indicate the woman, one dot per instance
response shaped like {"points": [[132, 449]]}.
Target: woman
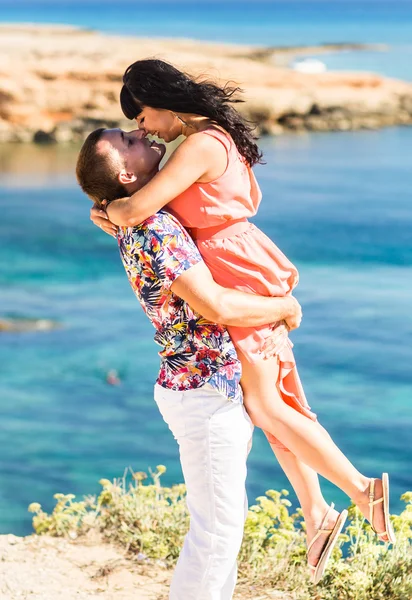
{"points": [[209, 185]]}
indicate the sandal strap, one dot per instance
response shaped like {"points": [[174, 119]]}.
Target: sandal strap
{"points": [[331, 507], [321, 529], [372, 503], [376, 501], [380, 533], [319, 532], [371, 500], [372, 489]]}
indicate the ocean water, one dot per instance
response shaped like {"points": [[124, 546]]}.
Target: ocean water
{"points": [[337, 204], [267, 23]]}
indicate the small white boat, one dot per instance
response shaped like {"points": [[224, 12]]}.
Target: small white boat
{"points": [[308, 65]]}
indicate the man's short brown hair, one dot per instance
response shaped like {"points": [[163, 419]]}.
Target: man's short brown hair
{"points": [[97, 172]]}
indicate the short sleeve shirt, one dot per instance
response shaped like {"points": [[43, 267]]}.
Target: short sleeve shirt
{"points": [[194, 351]]}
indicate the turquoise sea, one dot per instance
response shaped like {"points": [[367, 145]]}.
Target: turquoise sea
{"points": [[339, 206], [261, 22]]}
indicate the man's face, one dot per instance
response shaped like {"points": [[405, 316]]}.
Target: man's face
{"points": [[139, 156]]}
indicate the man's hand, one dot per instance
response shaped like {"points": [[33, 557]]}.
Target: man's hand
{"points": [[233, 307], [294, 319], [99, 217]]}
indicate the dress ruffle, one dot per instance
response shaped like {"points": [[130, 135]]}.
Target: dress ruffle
{"points": [[290, 389], [252, 263]]}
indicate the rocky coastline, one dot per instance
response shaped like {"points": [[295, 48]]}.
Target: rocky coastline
{"points": [[57, 83], [21, 325]]}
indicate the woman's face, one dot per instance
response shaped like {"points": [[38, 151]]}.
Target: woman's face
{"points": [[160, 122]]}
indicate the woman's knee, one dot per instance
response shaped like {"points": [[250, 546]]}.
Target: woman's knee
{"points": [[265, 413], [323, 430]]}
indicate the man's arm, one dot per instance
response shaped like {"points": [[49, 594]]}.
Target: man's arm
{"points": [[231, 307]]}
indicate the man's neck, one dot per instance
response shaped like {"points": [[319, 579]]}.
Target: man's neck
{"points": [[141, 181]]}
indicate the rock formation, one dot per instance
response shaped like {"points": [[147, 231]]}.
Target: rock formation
{"points": [[58, 83]]}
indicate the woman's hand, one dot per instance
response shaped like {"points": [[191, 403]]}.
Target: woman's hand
{"points": [[276, 342], [279, 339], [100, 219]]}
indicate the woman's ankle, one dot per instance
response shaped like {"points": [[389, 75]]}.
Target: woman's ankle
{"points": [[360, 494], [315, 513]]}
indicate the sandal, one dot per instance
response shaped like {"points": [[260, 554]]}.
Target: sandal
{"points": [[319, 569], [389, 532]]}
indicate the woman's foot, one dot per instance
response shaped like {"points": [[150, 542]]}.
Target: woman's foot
{"points": [[313, 524], [374, 493], [327, 534]]}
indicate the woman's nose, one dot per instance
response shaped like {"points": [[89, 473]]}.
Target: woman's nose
{"points": [[139, 133], [140, 125]]}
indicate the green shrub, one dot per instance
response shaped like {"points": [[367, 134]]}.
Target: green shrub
{"points": [[151, 520]]}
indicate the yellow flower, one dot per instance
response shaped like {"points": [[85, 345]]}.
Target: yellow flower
{"points": [[140, 476], [105, 482]]}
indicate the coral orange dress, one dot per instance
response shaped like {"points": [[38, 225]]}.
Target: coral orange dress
{"points": [[241, 256]]}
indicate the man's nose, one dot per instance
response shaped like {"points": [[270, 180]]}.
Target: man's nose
{"points": [[139, 133]]}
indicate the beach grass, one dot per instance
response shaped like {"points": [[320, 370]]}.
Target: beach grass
{"points": [[150, 521]]}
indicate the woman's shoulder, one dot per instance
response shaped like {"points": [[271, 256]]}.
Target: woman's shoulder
{"points": [[216, 131], [207, 140]]}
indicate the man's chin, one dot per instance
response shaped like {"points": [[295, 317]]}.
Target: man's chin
{"points": [[161, 149]]}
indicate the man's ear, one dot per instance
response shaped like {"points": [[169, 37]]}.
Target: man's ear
{"points": [[125, 177]]}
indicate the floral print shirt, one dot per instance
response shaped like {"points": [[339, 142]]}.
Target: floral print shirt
{"points": [[194, 351]]}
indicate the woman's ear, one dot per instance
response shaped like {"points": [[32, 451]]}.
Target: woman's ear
{"points": [[126, 177]]}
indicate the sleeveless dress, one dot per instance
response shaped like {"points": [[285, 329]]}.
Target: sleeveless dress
{"points": [[241, 256]]}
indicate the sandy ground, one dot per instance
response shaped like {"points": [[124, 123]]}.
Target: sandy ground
{"points": [[48, 568]]}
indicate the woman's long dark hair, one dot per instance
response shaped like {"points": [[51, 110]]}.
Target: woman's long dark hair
{"points": [[157, 84]]}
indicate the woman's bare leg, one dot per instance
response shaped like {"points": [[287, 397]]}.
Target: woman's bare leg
{"points": [[302, 436], [305, 482]]}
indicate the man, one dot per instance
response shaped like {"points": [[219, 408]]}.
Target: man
{"points": [[197, 390]]}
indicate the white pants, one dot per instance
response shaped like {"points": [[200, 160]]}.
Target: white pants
{"points": [[214, 437]]}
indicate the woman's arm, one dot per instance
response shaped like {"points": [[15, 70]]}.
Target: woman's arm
{"points": [[200, 156]]}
